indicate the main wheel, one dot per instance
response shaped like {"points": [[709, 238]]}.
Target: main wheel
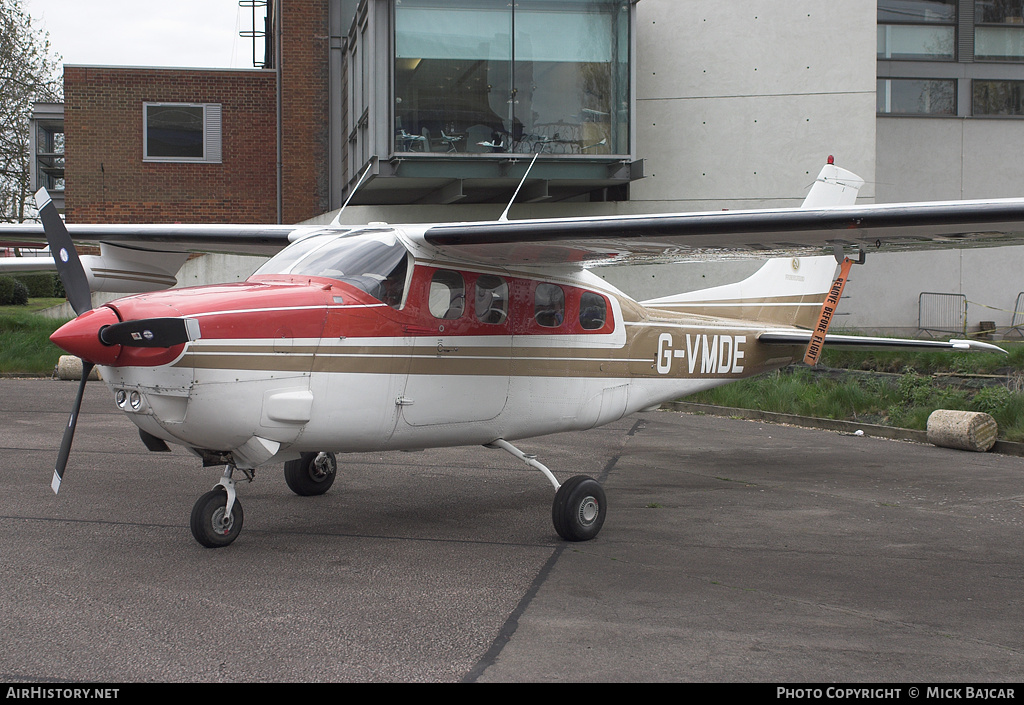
{"points": [[579, 508], [307, 476], [208, 525]]}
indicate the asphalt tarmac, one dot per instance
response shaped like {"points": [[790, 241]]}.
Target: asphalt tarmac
{"points": [[734, 551]]}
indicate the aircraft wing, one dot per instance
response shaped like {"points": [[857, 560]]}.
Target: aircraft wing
{"points": [[626, 239], [233, 239], [631, 239], [137, 258]]}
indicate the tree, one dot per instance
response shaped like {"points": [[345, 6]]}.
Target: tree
{"points": [[28, 74]]}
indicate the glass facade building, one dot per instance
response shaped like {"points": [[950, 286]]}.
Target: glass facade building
{"points": [[951, 58], [442, 97], [494, 77]]}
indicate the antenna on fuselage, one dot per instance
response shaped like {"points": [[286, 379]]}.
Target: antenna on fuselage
{"points": [[337, 218], [504, 216]]}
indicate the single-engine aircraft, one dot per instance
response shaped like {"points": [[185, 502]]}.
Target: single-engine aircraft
{"points": [[400, 337]]}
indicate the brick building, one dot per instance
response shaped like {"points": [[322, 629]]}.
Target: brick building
{"points": [[195, 145], [111, 176]]}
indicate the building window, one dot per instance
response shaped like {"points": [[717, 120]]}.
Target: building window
{"points": [[491, 76], [916, 96], [182, 132], [999, 30], [998, 98], [917, 29]]}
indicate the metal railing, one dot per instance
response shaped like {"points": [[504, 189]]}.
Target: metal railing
{"points": [[1017, 323], [942, 313]]}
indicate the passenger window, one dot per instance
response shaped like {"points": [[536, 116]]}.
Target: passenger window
{"points": [[491, 301], [593, 311], [549, 305], [447, 295]]}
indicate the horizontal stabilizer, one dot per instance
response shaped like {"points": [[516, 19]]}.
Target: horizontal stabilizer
{"points": [[801, 337]]}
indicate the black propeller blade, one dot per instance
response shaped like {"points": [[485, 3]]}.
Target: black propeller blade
{"points": [[76, 286], [69, 431], [69, 266], [150, 332]]}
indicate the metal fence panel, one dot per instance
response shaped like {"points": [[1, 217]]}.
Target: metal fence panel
{"points": [[1017, 324], [942, 313]]}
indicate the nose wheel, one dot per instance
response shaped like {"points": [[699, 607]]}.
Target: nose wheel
{"points": [[217, 515], [211, 524]]}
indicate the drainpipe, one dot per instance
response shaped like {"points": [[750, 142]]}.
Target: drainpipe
{"points": [[280, 131]]}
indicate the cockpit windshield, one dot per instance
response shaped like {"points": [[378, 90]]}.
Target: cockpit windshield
{"points": [[376, 263]]}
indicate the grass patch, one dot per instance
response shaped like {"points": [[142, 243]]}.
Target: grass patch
{"points": [[25, 346], [904, 399], [33, 306]]}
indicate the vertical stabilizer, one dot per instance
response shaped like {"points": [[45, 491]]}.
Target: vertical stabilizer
{"points": [[834, 186], [784, 291]]}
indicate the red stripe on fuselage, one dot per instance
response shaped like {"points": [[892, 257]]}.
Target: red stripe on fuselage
{"points": [[290, 307]]}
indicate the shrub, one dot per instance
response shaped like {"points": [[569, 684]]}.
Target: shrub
{"points": [[6, 291], [12, 292], [20, 295], [40, 286]]}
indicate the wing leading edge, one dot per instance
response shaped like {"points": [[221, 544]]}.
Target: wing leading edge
{"points": [[234, 239]]}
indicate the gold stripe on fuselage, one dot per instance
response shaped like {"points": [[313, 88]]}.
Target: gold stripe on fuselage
{"points": [[638, 357]]}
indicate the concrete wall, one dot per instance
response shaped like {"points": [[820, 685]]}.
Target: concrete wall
{"points": [[935, 159], [882, 296], [739, 103]]}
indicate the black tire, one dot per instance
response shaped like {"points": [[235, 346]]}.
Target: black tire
{"points": [[305, 479], [207, 520], [579, 509]]}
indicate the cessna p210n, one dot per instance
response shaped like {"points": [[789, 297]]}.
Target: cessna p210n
{"points": [[407, 337]]}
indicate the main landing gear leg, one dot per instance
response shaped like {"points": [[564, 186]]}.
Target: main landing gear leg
{"points": [[217, 516], [580, 505]]}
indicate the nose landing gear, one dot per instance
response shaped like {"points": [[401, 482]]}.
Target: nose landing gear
{"points": [[217, 516]]}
